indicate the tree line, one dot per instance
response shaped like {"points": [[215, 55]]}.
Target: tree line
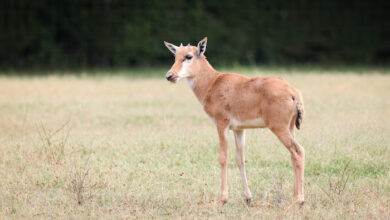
{"points": [[124, 33]]}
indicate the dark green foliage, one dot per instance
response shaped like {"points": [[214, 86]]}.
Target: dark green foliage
{"points": [[121, 33]]}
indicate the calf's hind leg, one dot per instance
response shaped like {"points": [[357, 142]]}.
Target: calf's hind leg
{"points": [[298, 161]]}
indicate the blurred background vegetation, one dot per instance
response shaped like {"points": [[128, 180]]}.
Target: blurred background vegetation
{"points": [[48, 34]]}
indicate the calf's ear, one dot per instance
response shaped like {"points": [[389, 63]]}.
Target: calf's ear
{"points": [[201, 47], [171, 47]]}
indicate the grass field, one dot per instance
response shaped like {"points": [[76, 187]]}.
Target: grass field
{"points": [[119, 147]]}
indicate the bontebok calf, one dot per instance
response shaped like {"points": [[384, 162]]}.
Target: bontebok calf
{"points": [[237, 103]]}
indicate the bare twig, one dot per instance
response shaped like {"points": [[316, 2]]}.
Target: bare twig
{"points": [[52, 147], [337, 187], [80, 185]]}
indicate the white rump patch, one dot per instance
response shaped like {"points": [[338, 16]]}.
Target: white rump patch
{"points": [[252, 123]]}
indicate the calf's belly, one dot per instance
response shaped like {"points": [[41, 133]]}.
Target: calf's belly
{"points": [[244, 124]]}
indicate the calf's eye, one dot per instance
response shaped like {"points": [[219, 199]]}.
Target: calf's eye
{"points": [[188, 57]]}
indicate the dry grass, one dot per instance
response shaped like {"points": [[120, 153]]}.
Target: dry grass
{"points": [[119, 147]]}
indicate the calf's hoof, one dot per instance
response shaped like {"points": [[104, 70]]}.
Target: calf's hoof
{"points": [[299, 202], [224, 198], [248, 201], [222, 202]]}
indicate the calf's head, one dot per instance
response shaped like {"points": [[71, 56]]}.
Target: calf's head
{"points": [[187, 60]]}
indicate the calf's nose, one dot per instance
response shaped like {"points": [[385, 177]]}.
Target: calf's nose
{"points": [[168, 76]]}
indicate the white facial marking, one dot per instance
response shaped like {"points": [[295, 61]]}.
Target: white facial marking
{"points": [[252, 123], [184, 69]]}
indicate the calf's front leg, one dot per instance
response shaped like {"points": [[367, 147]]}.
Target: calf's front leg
{"points": [[240, 159], [223, 154]]}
